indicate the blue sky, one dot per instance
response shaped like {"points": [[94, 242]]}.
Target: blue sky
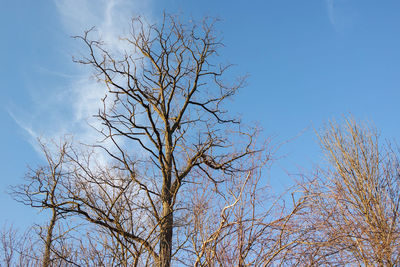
{"points": [[307, 61]]}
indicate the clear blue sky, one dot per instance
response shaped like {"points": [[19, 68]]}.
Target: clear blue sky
{"points": [[308, 61]]}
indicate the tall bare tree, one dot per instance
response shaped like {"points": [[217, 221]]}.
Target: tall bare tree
{"points": [[164, 114], [182, 182]]}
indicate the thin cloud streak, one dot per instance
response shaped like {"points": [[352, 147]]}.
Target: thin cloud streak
{"points": [[330, 9], [78, 98], [342, 15]]}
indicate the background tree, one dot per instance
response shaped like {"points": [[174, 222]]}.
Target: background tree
{"points": [[250, 227], [354, 201], [17, 249]]}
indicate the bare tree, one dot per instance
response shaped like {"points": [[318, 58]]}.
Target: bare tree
{"points": [[354, 200], [164, 114], [182, 183], [60, 242], [41, 191], [243, 224], [8, 245], [19, 249]]}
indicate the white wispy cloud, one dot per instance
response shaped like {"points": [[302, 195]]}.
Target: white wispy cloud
{"points": [[69, 107], [342, 14], [330, 9]]}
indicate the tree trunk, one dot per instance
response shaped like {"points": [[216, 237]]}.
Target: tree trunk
{"points": [[166, 236], [167, 211], [49, 239]]}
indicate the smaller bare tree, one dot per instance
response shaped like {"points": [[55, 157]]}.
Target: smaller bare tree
{"points": [[19, 249], [41, 190], [354, 200], [241, 223]]}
